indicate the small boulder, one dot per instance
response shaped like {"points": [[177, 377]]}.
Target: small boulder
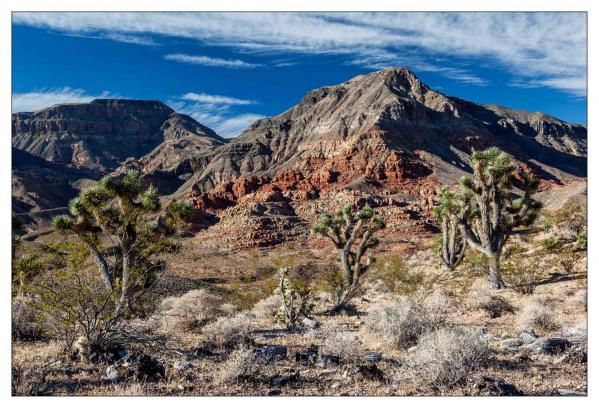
{"points": [[310, 323], [270, 353], [554, 345], [528, 336], [489, 386], [308, 357], [372, 357], [564, 392]]}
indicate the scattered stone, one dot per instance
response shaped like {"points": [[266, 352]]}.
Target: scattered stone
{"points": [[112, 374], [310, 323], [308, 357], [283, 380], [143, 367], [270, 353], [182, 365], [564, 392], [512, 343], [372, 357], [553, 345], [328, 360], [335, 385], [489, 386], [528, 336]]}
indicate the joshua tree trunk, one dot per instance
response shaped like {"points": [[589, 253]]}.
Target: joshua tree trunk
{"points": [[102, 267], [494, 271]]}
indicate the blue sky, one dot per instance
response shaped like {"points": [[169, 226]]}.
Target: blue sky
{"points": [[229, 69]]}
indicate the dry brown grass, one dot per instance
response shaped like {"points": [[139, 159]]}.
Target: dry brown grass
{"points": [[228, 332], [537, 314]]}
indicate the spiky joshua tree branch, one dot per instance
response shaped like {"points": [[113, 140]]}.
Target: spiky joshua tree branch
{"points": [[453, 244]]}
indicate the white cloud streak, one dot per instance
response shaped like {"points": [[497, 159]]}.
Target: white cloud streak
{"points": [[210, 61], [32, 101], [549, 48], [216, 99]]}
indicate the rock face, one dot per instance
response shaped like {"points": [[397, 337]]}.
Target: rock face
{"points": [[101, 134], [60, 145], [389, 127]]}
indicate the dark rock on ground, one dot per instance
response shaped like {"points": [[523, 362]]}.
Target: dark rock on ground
{"points": [[489, 386], [309, 356], [554, 345], [372, 357], [270, 353]]}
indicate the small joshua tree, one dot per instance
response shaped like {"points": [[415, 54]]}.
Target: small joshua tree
{"points": [[296, 300], [353, 234], [453, 245], [491, 209]]}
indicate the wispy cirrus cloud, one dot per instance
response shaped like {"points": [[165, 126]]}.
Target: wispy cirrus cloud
{"points": [[217, 112], [43, 98], [210, 61], [548, 48]]}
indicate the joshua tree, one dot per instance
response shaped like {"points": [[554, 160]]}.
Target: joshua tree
{"points": [[353, 234], [492, 209], [453, 245], [116, 211]]}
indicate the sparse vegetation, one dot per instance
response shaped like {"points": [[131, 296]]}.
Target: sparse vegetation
{"points": [[296, 297], [444, 357], [241, 364], [536, 315], [229, 332]]}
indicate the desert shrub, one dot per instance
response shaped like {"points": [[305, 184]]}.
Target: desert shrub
{"points": [[267, 308], [241, 364], [496, 306], [522, 273], [444, 357], [25, 319], [567, 260], [578, 300], [228, 332], [396, 275], [475, 263], [25, 269], [536, 315], [581, 241], [550, 244], [571, 220], [343, 344], [27, 380], [403, 320], [191, 310]]}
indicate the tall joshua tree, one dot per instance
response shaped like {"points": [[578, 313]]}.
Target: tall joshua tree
{"points": [[492, 208], [353, 234], [453, 244], [117, 211]]}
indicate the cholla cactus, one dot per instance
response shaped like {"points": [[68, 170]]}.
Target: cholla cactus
{"points": [[491, 209], [453, 245], [296, 301], [353, 234]]}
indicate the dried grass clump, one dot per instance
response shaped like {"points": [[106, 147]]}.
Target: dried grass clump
{"points": [[444, 357], [403, 320], [342, 344], [481, 297], [241, 364], [128, 390], [578, 300], [189, 311], [228, 332], [536, 314], [24, 318], [267, 308]]}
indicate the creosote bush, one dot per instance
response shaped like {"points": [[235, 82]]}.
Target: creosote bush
{"points": [[402, 320], [537, 315], [228, 332], [241, 364], [522, 273], [189, 311], [444, 357], [340, 343], [397, 276]]}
